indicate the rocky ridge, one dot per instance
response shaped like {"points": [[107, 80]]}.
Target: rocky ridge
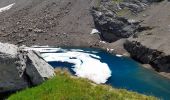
{"points": [[110, 18], [152, 47]]}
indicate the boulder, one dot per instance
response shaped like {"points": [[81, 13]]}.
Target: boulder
{"points": [[8, 49], [10, 80], [37, 68], [20, 69]]}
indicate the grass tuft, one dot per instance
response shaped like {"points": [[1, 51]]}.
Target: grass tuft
{"points": [[66, 87]]}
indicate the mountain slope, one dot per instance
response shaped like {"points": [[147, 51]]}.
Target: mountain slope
{"points": [[63, 22]]}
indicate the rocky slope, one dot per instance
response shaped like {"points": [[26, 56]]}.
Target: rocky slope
{"points": [[144, 23], [152, 46], [47, 22]]}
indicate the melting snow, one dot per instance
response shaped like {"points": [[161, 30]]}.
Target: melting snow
{"points": [[87, 65], [6, 8]]}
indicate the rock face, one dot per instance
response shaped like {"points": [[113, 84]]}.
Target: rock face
{"points": [[159, 60], [110, 18], [153, 46], [111, 26], [20, 69], [111, 23]]}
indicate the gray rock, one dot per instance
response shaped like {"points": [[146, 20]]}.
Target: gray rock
{"points": [[37, 69], [8, 49], [20, 69], [39, 30], [133, 7], [157, 59], [10, 79], [111, 26]]}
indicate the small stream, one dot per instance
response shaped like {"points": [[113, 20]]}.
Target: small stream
{"points": [[125, 72]]}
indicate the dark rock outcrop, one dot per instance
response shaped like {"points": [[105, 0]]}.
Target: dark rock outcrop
{"points": [[20, 69], [159, 60], [10, 79], [111, 26], [110, 20]]}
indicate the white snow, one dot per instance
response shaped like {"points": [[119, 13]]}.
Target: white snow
{"points": [[6, 8], [94, 31], [131, 21], [87, 65], [118, 55], [43, 49], [102, 42]]}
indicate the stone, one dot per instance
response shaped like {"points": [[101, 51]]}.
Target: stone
{"points": [[10, 79], [20, 69], [113, 27], [8, 49], [38, 30], [37, 68]]}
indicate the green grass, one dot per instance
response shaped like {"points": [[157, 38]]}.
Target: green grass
{"points": [[66, 87]]}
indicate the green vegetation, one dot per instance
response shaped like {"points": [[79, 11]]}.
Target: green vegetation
{"points": [[66, 87], [117, 1], [123, 12]]}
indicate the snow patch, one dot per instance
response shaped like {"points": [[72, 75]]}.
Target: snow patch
{"points": [[6, 8], [94, 31], [86, 64], [102, 42], [132, 21], [118, 55]]}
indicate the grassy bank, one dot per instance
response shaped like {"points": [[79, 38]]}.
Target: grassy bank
{"points": [[66, 87]]}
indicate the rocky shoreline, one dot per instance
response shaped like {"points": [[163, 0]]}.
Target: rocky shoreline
{"points": [[158, 60], [115, 25]]}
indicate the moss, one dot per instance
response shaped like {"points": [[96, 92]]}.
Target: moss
{"points": [[123, 12]]}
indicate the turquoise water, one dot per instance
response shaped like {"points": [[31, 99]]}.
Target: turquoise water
{"points": [[130, 75]]}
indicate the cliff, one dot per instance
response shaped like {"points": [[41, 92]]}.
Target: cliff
{"points": [[159, 60]]}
